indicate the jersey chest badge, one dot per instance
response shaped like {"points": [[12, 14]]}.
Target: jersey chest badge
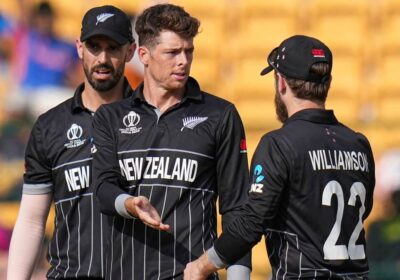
{"points": [[192, 122], [131, 121], [74, 135]]}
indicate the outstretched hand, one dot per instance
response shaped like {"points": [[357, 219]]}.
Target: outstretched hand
{"points": [[140, 207]]}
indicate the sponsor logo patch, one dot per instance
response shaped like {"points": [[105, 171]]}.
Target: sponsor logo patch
{"points": [[256, 186]]}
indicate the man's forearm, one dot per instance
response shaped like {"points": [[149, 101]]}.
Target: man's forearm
{"points": [[27, 237], [107, 193]]}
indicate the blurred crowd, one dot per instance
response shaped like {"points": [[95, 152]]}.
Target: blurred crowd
{"points": [[38, 70]]}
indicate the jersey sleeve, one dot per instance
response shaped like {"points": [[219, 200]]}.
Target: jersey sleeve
{"points": [[105, 168], [232, 169], [269, 175], [38, 170], [372, 179]]}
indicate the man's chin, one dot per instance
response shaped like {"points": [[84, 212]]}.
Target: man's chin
{"points": [[103, 86], [176, 85]]}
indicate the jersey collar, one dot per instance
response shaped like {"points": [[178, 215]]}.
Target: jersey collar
{"points": [[77, 103], [314, 115], [192, 91]]}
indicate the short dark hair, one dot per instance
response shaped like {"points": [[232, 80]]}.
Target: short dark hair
{"points": [[165, 17], [316, 92]]}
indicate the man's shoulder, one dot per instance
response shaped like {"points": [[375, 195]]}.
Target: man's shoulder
{"points": [[118, 105], [115, 108], [214, 99], [58, 111], [207, 98], [218, 105]]}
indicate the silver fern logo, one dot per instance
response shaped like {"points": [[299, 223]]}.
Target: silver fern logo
{"points": [[192, 122], [103, 17]]}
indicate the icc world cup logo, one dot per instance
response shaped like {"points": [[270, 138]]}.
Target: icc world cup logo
{"points": [[75, 132], [131, 120]]}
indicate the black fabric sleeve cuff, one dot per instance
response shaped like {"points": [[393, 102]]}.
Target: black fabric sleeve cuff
{"points": [[231, 248], [107, 194]]}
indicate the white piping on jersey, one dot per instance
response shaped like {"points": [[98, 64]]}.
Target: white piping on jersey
{"points": [[284, 232], [286, 256], [169, 186], [162, 213], [164, 149], [202, 224], [72, 198], [190, 226], [287, 249], [79, 241], [159, 235], [357, 274], [213, 237], [133, 250], [92, 239], [280, 260], [58, 250], [72, 162], [122, 248], [101, 244], [51, 255], [301, 256], [112, 247], [303, 268], [145, 241], [68, 241], [174, 270]]}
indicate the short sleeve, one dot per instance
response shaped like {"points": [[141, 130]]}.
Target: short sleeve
{"points": [[38, 175]]}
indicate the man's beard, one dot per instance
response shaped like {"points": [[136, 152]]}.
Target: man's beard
{"points": [[104, 85], [280, 107]]}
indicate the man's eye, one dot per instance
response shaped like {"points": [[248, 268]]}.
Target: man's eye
{"points": [[92, 47], [115, 48]]}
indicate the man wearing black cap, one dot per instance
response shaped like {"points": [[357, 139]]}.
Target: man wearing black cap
{"points": [[59, 157], [312, 180]]}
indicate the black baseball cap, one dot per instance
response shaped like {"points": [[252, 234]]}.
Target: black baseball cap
{"points": [[108, 21], [295, 56]]}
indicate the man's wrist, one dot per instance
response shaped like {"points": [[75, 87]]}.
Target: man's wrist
{"points": [[206, 266], [214, 259], [121, 203]]}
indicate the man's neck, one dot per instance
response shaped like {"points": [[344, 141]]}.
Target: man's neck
{"points": [[93, 99], [302, 104], [161, 98]]}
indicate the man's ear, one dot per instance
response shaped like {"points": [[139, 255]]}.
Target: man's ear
{"points": [[79, 48], [144, 55], [131, 52], [282, 85]]}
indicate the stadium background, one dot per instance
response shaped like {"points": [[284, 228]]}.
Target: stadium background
{"points": [[235, 38]]}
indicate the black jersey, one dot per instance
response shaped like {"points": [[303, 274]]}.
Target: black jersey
{"points": [[181, 160], [312, 187], [58, 160]]}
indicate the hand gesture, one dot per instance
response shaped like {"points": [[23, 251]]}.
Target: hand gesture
{"points": [[140, 207]]}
